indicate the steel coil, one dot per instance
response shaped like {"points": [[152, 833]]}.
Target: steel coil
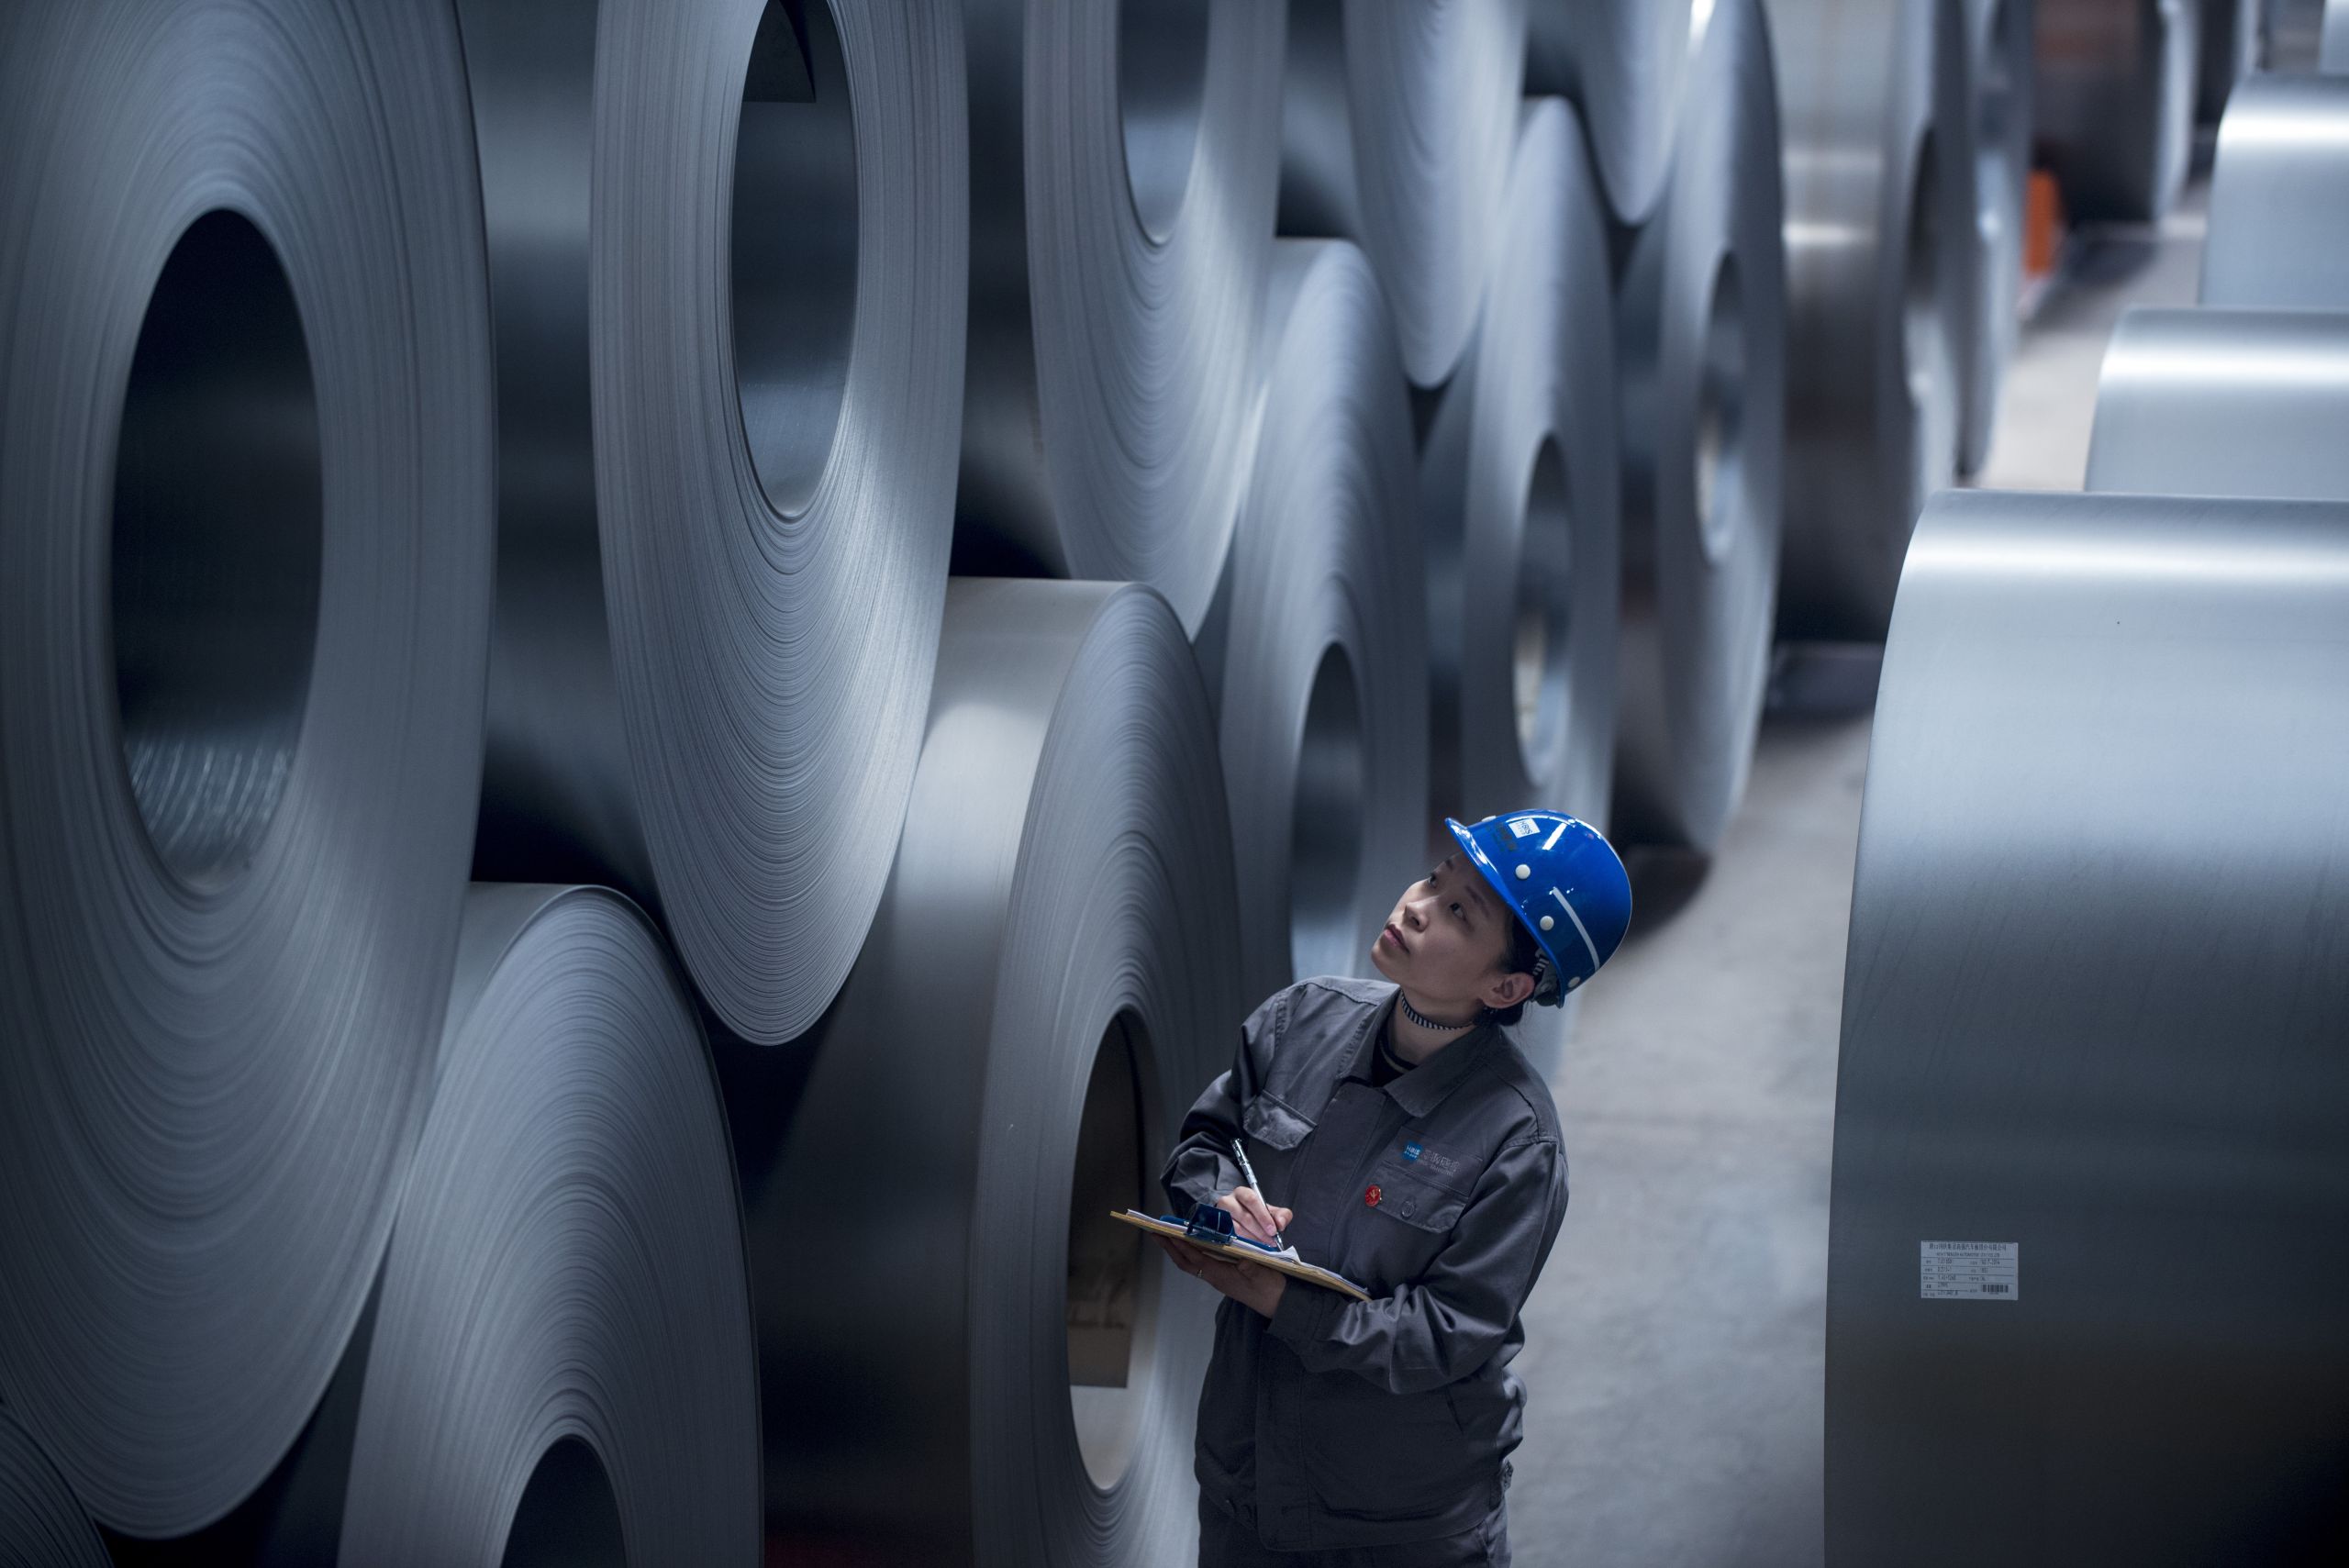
{"points": [[1396, 128], [1520, 488], [1051, 977], [2113, 102], [563, 1352], [2226, 403], [1982, 80], [41, 1522], [1872, 230], [245, 552], [1624, 63], [1316, 650], [726, 490], [2097, 993], [1701, 315], [1125, 162], [2279, 197]]}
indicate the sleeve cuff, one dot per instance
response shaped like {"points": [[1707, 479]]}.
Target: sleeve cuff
{"points": [[1306, 1316], [1193, 1188]]}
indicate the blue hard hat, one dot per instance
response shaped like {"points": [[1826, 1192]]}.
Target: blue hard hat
{"points": [[1564, 879]]}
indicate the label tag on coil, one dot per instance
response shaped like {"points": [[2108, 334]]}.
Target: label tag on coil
{"points": [[1969, 1271]]}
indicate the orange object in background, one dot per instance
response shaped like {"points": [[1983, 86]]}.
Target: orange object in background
{"points": [[2043, 225]]}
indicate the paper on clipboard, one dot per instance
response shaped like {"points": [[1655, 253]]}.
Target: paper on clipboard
{"points": [[1242, 1250]]}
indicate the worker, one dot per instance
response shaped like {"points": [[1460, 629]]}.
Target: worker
{"points": [[1415, 1153]]}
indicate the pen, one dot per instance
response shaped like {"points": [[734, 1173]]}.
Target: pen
{"points": [[1250, 1172]]}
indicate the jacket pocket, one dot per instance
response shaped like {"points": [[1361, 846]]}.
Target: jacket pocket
{"points": [[1273, 1124], [1416, 1202], [1490, 1408], [1375, 1457], [1400, 1234]]}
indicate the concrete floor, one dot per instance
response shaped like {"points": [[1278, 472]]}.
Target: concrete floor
{"points": [[1676, 1342]]}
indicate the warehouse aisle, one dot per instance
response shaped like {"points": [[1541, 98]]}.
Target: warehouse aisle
{"points": [[1676, 1345], [2048, 406]]}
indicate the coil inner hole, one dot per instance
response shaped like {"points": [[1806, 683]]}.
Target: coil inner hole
{"points": [[217, 534], [1162, 82], [1720, 414], [568, 1516], [794, 249], [1546, 559], [1325, 824], [1112, 1298]]}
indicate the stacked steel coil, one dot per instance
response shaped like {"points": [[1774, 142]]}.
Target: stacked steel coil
{"points": [[1873, 227], [963, 1358], [528, 442], [2090, 1202], [1982, 88], [1625, 64], [1316, 652], [1520, 494], [2116, 88], [729, 332], [245, 516], [1124, 163], [1417, 178], [1702, 344], [563, 1340]]}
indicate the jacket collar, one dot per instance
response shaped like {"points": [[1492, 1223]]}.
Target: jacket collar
{"points": [[1429, 1084]]}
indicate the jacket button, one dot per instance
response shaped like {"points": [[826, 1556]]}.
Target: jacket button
{"points": [[1410, 1206], [1372, 1197]]}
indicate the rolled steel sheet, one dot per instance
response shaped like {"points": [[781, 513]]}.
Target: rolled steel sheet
{"points": [[1520, 501], [1982, 78], [995, 1372], [2279, 197], [2095, 1009], [2332, 50], [1125, 162], [2113, 102], [728, 247], [1316, 652], [562, 1354], [2253, 403], [245, 550], [41, 1522], [1873, 235], [1396, 123], [1624, 63], [1701, 315]]}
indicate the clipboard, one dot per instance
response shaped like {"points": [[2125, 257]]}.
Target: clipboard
{"points": [[1239, 1249]]}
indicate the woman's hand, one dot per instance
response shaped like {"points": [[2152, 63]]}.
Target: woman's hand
{"points": [[1252, 1217], [1256, 1288]]}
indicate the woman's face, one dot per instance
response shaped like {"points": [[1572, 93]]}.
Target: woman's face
{"points": [[1447, 941]]}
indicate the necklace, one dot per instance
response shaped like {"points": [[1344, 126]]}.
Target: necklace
{"points": [[1425, 1022]]}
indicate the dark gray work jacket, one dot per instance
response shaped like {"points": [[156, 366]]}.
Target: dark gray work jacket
{"points": [[1341, 1423]]}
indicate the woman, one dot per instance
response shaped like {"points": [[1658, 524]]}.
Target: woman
{"points": [[1418, 1155]]}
